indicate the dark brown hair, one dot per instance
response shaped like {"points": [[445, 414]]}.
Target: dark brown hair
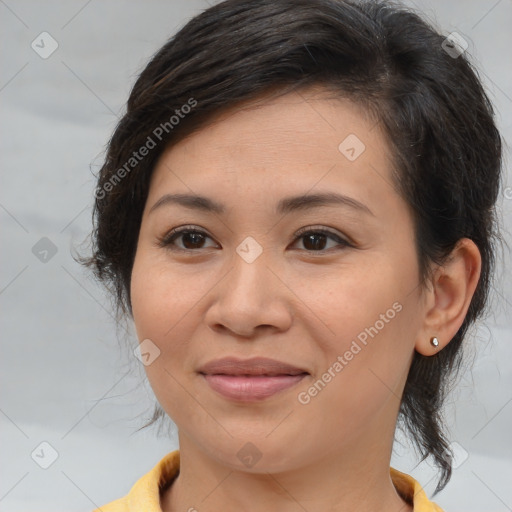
{"points": [[426, 95]]}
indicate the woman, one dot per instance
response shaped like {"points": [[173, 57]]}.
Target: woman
{"points": [[297, 211]]}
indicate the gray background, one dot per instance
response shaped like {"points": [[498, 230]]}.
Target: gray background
{"points": [[65, 379]]}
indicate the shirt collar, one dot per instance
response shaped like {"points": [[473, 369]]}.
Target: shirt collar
{"points": [[145, 494]]}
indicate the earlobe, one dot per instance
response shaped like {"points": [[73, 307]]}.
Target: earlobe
{"points": [[453, 285]]}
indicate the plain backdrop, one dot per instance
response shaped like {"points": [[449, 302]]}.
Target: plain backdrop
{"points": [[66, 381]]}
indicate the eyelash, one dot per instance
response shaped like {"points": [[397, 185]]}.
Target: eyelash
{"points": [[167, 241]]}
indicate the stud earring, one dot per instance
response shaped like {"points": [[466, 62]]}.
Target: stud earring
{"points": [[434, 342]]}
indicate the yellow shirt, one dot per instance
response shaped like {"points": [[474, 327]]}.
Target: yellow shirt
{"points": [[145, 494]]}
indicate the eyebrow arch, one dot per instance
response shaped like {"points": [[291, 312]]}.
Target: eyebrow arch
{"points": [[285, 205]]}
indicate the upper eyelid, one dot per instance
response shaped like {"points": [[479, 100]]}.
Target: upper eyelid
{"points": [[177, 232], [180, 230]]}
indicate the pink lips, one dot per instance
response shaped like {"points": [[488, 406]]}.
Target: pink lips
{"points": [[250, 380]]}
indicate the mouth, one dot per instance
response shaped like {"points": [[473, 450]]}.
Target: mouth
{"points": [[250, 380]]}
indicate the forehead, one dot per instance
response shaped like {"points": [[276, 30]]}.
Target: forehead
{"points": [[289, 143]]}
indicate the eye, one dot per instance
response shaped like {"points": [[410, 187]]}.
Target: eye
{"points": [[192, 239], [316, 239]]}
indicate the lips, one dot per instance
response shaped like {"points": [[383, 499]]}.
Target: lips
{"points": [[250, 380], [255, 366]]}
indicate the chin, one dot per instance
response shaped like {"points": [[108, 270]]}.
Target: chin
{"points": [[257, 453]]}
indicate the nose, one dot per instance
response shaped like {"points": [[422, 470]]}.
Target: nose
{"points": [[250, 299]]}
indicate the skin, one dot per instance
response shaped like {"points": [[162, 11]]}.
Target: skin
{"points": [[292, 303]]}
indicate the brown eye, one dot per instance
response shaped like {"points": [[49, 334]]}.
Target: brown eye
{"points": [[317, 239], [191, 239]]}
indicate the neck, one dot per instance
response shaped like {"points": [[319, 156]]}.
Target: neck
{"points": [[330, 482]]}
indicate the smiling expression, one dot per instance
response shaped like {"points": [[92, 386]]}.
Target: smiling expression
{"points": [[263, 236]]}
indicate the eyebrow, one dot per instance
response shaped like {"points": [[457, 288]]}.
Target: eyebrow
{"points": [[285, 205]]}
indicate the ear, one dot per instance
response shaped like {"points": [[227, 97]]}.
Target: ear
{"points": [[448, 299]]}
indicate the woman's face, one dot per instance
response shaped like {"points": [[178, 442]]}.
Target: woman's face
{"points": [[327, 285]]}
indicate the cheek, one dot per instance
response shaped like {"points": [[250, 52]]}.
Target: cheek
{"points": [[145, 296], [364, 371], [351, 301], [168, 309], [160, 296], [160, 306], [373, 318]]}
